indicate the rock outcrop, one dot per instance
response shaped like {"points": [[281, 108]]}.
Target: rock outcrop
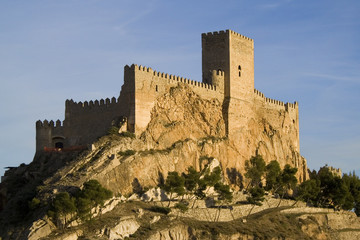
{"points": [[184, 131]]}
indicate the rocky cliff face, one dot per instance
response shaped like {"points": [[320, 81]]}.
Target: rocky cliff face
{"points": [[185, 130], [181, 114]]}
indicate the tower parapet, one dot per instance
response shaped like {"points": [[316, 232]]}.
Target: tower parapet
{"points": [[49, 134], [217, 79], [233, 54]]}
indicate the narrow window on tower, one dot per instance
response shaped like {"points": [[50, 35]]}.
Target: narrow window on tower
{"points": [[156, 88], [239, 70]]}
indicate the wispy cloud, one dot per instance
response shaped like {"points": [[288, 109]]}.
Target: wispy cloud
{"points": [[121, 28], [334, 77], [270, 5], [273, 5]]}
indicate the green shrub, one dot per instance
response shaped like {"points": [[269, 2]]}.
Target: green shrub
{"points": [[164, 210], [128, 152], [61, 206], [174, 183], [40, 188], [92, 195], [127, 134], [35, 203], [113, 130], [182, 206], [84, 206], [95, 192]]}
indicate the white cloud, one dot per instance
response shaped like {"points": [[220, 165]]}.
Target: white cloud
{"points": [[270, 5], [334, 77]]}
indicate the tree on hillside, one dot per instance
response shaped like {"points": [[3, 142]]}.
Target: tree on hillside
{"points": [[84, 206], [325, 189], [353, 184], [191, 180], [287, 181], [308, 191], [62, 206], [193, 184], [256, 197], [288, 177], [208, 180], [174, 183], [224, 195], [95, 192], [333, 189], [212, 178], [255, 168], [272, 174], [199, 191], [92, 195]]}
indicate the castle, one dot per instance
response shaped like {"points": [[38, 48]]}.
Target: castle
{"points": [[228, 76]]}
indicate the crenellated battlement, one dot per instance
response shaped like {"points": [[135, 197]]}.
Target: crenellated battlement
{"points": [[218, 79], [292, 105], [275, 102], [239, 35], [218, 73], [210, 34], [96, 104], [216, 33], [49, 124], [141, 68], [170, 77]]}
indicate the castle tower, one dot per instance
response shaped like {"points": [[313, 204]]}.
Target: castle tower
{"points": [[233, 54]]}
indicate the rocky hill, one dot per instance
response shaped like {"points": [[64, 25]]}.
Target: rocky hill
{"points": [[185, 130]]}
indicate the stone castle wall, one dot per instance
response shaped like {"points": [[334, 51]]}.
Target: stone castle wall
{"points": [[48, 134], [150, 84], [86, 121], [278, 114], [228, 76]]}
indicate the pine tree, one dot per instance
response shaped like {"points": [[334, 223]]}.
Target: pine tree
{"points": [[255, 169], [174, 183]]}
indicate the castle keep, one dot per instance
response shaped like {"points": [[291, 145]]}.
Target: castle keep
{"points": [[228, 76]]}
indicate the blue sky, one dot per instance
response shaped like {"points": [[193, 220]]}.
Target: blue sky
{"points": [[306, 51]]}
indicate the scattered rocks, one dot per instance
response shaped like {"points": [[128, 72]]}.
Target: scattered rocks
{"points": [[155, 219], [125, 227], [41, 228]]}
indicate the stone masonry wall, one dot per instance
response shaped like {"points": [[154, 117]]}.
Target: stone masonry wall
{"points": [[275, 112], [85, 122], [48, 133], [150, 84]]}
